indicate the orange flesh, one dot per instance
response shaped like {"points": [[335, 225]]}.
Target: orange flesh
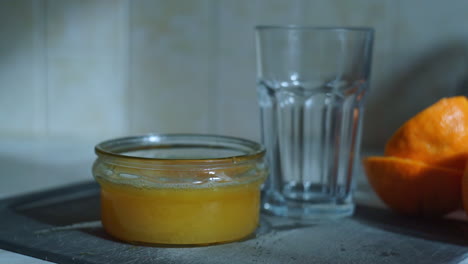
{"points": [[180, 215]]}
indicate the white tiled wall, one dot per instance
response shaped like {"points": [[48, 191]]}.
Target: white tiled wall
{"points": [[172, 70], [429, 59], [22, 94], [86, 67], [99, 69]]}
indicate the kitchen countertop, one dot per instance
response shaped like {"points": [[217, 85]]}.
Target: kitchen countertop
{"points": [[8, 257]]}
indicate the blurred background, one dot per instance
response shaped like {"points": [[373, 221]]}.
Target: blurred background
{"points": [[73, 73]]}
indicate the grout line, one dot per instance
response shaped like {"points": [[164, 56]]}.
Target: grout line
{"points": [[127, 67], [46, 68], [39, 67], [299, 12], [217, 94], [125, 54]]}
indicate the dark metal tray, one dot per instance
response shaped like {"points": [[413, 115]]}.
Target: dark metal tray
{"points": [[62, 226]]}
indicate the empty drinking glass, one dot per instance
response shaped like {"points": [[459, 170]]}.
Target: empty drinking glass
{"points": [[312, 82]]}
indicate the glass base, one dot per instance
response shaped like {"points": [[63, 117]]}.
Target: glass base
{"points": [[314, 210]]}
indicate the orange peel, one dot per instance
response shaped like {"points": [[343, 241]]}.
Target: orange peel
{"points": [[415, 188]]}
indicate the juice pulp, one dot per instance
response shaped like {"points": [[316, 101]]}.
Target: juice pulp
{"points": [[189, 216]]}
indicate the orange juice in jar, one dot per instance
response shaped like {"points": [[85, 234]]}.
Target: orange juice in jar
{"points": [[180, 189]]}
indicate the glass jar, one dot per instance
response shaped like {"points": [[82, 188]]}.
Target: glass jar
{"points": [[183, 189]]}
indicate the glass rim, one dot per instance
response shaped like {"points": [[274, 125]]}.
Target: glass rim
{"points": [[154, 141], [363, 29]]}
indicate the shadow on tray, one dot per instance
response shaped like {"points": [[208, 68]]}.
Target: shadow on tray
{"points": [[448, 230], [76, 207]]}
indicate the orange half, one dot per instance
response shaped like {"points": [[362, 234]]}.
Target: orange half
{"points": [[413, 187], [438, 135]]}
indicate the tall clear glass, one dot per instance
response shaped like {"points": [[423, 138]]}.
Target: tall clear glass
{"points": [[312, 82]]}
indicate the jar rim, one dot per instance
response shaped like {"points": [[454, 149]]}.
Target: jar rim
{"points": [[119, 147]]}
